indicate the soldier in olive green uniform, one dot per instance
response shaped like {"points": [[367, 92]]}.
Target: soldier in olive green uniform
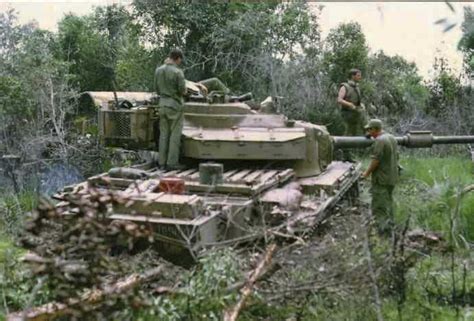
{"points": [[215, 84], [384, 171], [349, 98], [170, 85], [352, 111]]}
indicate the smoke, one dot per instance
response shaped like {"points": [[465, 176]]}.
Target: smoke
{"points": [[56, 176]]}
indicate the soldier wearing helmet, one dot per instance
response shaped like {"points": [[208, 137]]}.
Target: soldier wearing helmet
{"points": [[383, 169]]}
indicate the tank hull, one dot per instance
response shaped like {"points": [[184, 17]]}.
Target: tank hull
{"points": [[248, 204]]}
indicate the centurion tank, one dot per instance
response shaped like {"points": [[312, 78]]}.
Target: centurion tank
{"points": [[248, 173]]}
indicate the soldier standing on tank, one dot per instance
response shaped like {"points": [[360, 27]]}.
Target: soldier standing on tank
{"points": [[384, 171], [170, 85], [352, 110]]}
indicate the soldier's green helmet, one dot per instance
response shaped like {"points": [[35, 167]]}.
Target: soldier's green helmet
{"points": [[374, 124]]}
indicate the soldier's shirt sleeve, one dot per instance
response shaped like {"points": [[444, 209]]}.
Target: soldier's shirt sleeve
{"points": [[377, 151], [181, 83]]}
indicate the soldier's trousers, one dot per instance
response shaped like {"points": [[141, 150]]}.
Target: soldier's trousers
{"points": [[354, 122], [383, 208], [171, 127]]}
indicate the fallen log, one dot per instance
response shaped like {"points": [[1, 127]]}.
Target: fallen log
{"points": [[53, 310], [231, 314], [266, 274]]}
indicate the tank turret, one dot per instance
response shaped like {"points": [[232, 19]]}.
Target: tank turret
{"points": [[223, 131]]}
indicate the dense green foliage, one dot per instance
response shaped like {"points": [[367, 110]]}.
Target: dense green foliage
{"points": [[396, 88], [104, 48], [345, 47], [467, 41]]}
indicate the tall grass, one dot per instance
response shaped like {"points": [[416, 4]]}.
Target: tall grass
{"points": [[434, 171], [15, 280], [428, 191]]}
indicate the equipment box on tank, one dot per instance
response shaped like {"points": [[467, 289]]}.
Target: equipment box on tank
{"points": [[131, 128]]}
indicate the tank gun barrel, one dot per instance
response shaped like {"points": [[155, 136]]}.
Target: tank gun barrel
{"points": [[453, 140], [414, 139]]}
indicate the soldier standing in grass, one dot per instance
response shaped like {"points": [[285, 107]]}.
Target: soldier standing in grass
{"points": [[170, 85], [352, 110], [384, 170]]}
